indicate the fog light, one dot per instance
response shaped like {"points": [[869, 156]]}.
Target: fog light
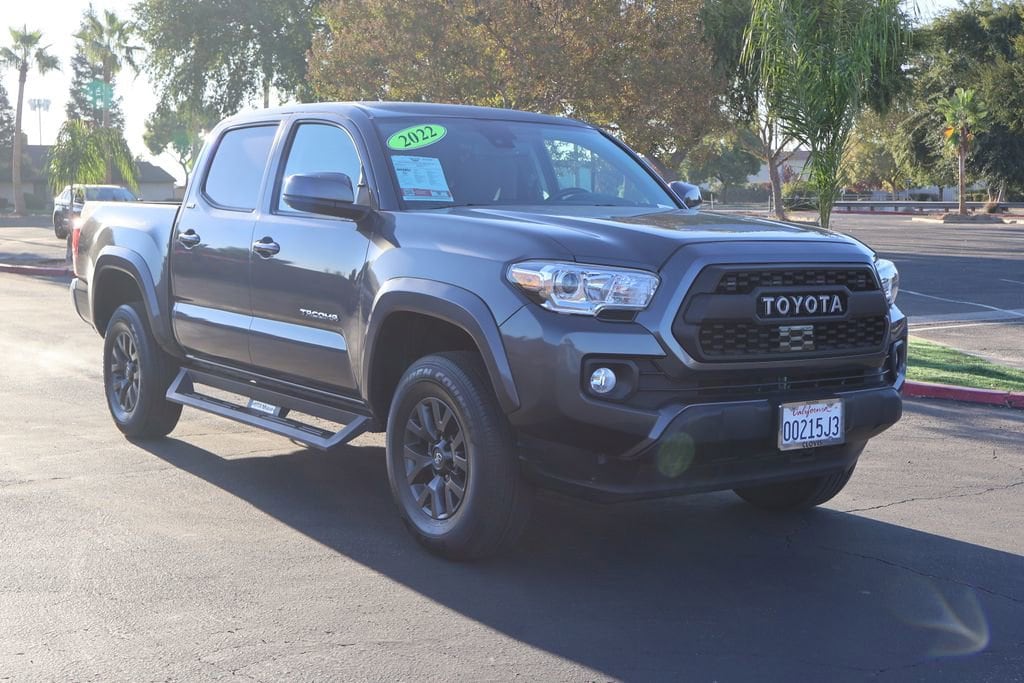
{"points": [[602, 381]]}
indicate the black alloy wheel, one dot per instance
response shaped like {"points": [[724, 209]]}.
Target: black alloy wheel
{"points": [[136, 374], [452, 462], [125, 375], [436, 466]]}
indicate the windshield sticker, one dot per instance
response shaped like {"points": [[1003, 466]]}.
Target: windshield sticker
{"points": [[415, 137], [421, 179]]}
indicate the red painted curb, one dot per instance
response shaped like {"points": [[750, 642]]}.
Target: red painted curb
{"points": [[35, 270], [948, 392]]}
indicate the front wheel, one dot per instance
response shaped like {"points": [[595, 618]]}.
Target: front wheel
{"points": [[800, 494], [451, 460], [136, 374]]}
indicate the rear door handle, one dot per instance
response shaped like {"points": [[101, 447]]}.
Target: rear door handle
{"points": [[189, 238], [266, 247]]}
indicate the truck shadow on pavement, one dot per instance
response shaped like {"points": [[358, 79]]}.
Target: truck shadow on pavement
{"points": [[699, 588]]}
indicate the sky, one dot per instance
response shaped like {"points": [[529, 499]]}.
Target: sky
{"points": [[60, 19]]}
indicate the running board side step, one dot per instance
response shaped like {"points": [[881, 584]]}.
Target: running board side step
{"points": [[183, 390]]}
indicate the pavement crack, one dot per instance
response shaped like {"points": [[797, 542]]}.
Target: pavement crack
{"points": [[949, 496], [919, 572]]}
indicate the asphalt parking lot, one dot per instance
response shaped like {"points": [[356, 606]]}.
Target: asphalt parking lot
{"points": [[228, 553], [961, 284]]}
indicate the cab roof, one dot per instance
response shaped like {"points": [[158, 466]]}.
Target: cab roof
{"points": [[385, 110]]}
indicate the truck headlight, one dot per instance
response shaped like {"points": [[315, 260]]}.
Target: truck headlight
{"points": [[890, 278], [582, 289]]}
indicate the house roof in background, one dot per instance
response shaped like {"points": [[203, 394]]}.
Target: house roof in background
{"points": [[38, 156]]}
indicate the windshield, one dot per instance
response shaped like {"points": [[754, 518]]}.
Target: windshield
{"points": [[106, 194], [444, 162]]}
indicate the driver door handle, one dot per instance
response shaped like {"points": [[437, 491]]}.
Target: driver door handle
{"points": [[266, 247], [189, 238]]}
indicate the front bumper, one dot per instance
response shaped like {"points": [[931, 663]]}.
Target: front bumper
{"points": [[710, 447], [684, 439]]}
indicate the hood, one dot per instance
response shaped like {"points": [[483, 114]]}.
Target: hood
{"points": [[642, 238]]}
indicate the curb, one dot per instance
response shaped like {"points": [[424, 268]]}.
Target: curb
{"points": [[44, 271], [948, 392]]}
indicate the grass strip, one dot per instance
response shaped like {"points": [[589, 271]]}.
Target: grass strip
{"points": [[931, 362]]}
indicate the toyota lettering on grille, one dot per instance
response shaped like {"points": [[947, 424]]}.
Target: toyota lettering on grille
{"points": [[800, 305]]}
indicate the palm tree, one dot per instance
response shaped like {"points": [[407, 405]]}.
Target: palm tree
{"points": [[22, 54], [81, 155], [964, 118], [106, 42], [817, 64]]}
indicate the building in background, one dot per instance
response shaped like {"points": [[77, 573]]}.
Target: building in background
{"points": [[155, 184]]}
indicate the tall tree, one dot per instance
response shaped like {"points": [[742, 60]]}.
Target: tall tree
{"points": [[722, 159], [88, 93], [106, 42], [877, 156], [23, 54], [178, 132], [744, 101], [978, 45], [964, 117], [6, 129], [211, 54], [819, 62], [82, 153], [638, 69]]}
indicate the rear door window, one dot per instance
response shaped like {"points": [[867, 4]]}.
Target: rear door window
{"points": [[233, 181]]}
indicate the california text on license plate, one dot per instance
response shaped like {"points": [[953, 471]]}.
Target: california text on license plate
{"points": [[811, 424]]}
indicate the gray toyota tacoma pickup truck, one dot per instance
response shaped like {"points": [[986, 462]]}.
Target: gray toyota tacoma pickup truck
{"points": [[517, 300]]}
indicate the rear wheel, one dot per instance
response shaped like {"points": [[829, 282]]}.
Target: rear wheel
{"points": [[451, 460], [796, 495], [136, 374]]}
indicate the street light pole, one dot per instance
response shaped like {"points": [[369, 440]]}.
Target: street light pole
{"points": [[39, 105]]}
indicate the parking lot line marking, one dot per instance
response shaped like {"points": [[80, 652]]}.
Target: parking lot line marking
{"points": [[1012, 314], [1016, 282], [955, 326], [958, 318]]}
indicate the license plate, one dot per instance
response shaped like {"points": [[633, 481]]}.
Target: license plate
{"points": [[811, 424]]}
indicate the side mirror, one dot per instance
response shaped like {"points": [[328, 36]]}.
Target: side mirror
{"points": [[688, 194], [328, 194]]}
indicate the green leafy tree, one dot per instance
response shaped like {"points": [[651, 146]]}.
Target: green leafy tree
{"points": [[81, 155], [6, 132], [877, 156], [978, 45], [964, 117], [88, 93], [23, 54], [722, 160], [178, 132], [639, 69], [211, 54], [819, 63], [105, 42], [744, 101]]}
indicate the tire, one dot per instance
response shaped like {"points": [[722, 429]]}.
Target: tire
{"points": [[801, 494], [446, 432], [136, 374], [59, 229]]}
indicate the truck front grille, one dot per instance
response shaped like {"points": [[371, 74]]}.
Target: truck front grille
{"points": [[746, 281], [730, 339], [719, 319]]}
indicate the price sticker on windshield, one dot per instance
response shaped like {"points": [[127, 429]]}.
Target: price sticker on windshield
{"points": [[415, 137]]}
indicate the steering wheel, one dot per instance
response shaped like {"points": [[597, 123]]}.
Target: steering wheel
{"points": [[568, 192]]}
